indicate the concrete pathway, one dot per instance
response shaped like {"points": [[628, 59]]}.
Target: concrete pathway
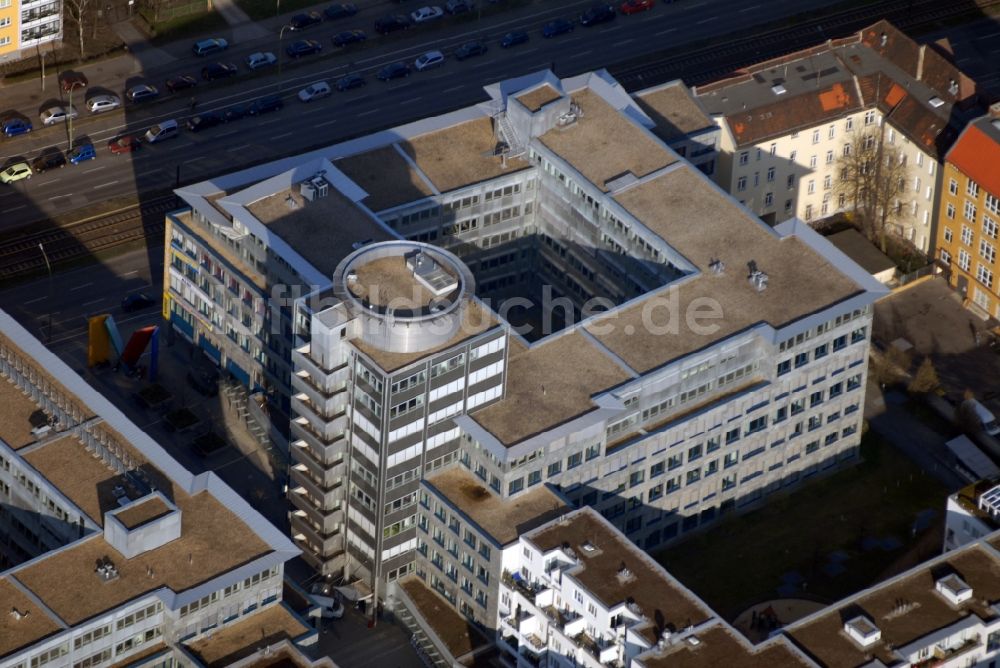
{"points": [[144, 54]]}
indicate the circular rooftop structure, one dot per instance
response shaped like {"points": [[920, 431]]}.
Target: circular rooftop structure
{"points": [[408, 295]]}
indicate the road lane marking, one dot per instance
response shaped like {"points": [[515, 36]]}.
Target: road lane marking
{"points": [[452, 89], [106, 185], [319, 125], [750, 8], [282, 136], [57, 197], [195, 158], [664, 32], [131, 273], [88, 171], [625, 41], [367, 113], [15, 208], [227, 134], [35, 300], [148, 172], [410, 101], [238, 148], [93, 301], [81, 286], [710, 19]]}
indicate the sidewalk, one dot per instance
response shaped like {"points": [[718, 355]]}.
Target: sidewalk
{"points": [[243, 28], [143, 54]]}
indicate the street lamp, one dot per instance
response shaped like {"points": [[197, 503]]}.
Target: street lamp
{"points": [[281, 50], [48, 266], [69, 113]]}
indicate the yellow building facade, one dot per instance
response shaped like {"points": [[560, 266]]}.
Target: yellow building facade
{"points": [[969, 218], [26, 25]]}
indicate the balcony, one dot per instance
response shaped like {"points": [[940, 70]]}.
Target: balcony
{"points": [[324, 398], [317, 487], [328, 516], [303, 360], [328, 542], [517, 583], [941, 655], [330, 442], [561, 618], [303, 454], [332, 414]]}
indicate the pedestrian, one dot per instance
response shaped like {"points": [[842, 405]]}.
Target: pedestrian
{"points": [[378, 610], [362, 605], [194, 103]]}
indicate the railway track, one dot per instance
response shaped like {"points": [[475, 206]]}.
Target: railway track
{"points": [[21, 256]]}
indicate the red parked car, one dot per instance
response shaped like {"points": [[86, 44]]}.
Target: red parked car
{"points": [[635, 6], [71, 80], [124, 144]]}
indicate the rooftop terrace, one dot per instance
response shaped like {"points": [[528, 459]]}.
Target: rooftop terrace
{"points": [[142, 511], [503, 519], [535, 99], [32, 625], [673, 109], [244, 638], [720, 647], [458, 635], [16, 411]]}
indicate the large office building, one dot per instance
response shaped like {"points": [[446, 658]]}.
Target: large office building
{"points": [[111, 553], [970, 214], [536, 289], [787, 122], [26, 25]]}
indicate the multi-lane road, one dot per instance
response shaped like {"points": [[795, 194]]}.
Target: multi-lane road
{"points": [[300, 126]]}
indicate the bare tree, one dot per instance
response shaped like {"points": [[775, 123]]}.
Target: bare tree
{"points": [[872, 178], [79, 11]]}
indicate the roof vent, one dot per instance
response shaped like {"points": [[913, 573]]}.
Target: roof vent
{"points": [[18, 615], [952, 87], [954, 589], [717, 266], [935, 102], [757, 278], [623, 572], [778, 89], [693, 641], [290, 201], [862, 631], [361, 244], [589, 547], [884, 40], [106, 569]]}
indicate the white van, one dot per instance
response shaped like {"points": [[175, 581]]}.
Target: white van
{"points": [[985, 417], [162, 131]]}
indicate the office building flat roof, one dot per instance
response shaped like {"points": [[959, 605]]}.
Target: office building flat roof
{"points": [[18, 416], [459, 155], [321, 231], [143, 511], [660, 598], [544, 388], [904, 610], [28, 626], [504, 519], [537, 98], [800, 281], [387, 177], [718, 646], [388, 281], [674, 109], [457, 633], [244, 638], [604, 145], [213, 541]]}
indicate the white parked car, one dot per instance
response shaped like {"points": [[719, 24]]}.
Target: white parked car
{"points": [[428, 60], [314, 91], [104, 102], [260, 59], [425, 14], [54, 115]]}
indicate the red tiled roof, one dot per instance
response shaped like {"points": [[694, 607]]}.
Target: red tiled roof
{"points": [[977, 155]]}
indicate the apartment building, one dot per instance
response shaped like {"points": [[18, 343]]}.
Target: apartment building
{"points": [[111, 552], [515, 289], [970, 213], [786, 122], [27, 24]]}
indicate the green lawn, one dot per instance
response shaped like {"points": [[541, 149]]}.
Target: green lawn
{"points": [[190, 25], [267, 9], [740, 562]]}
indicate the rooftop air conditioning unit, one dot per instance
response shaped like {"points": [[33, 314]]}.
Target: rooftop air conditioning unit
{"points": [[320, 185]]}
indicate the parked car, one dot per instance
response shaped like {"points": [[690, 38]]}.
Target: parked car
{"points": [[349, 81], [428, 61], [50, 160], [349, 37], [13, 126], [209, 119], [340, 10], [458, 6], [305, 20], [16, 172], [124, 144], [391, 23], [137, 302], [393, 71], [255, 61], [265, 105], [70, 80], [207, 47], [234, 113], [470, 49], [600, 13], [218, 71], [513, 39], [303, 47], [82, 153], [635, 6], [557, 27], [141, 93], [103, 102], [181, 82], [426, 14], [315, 91], [57, 114]]}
